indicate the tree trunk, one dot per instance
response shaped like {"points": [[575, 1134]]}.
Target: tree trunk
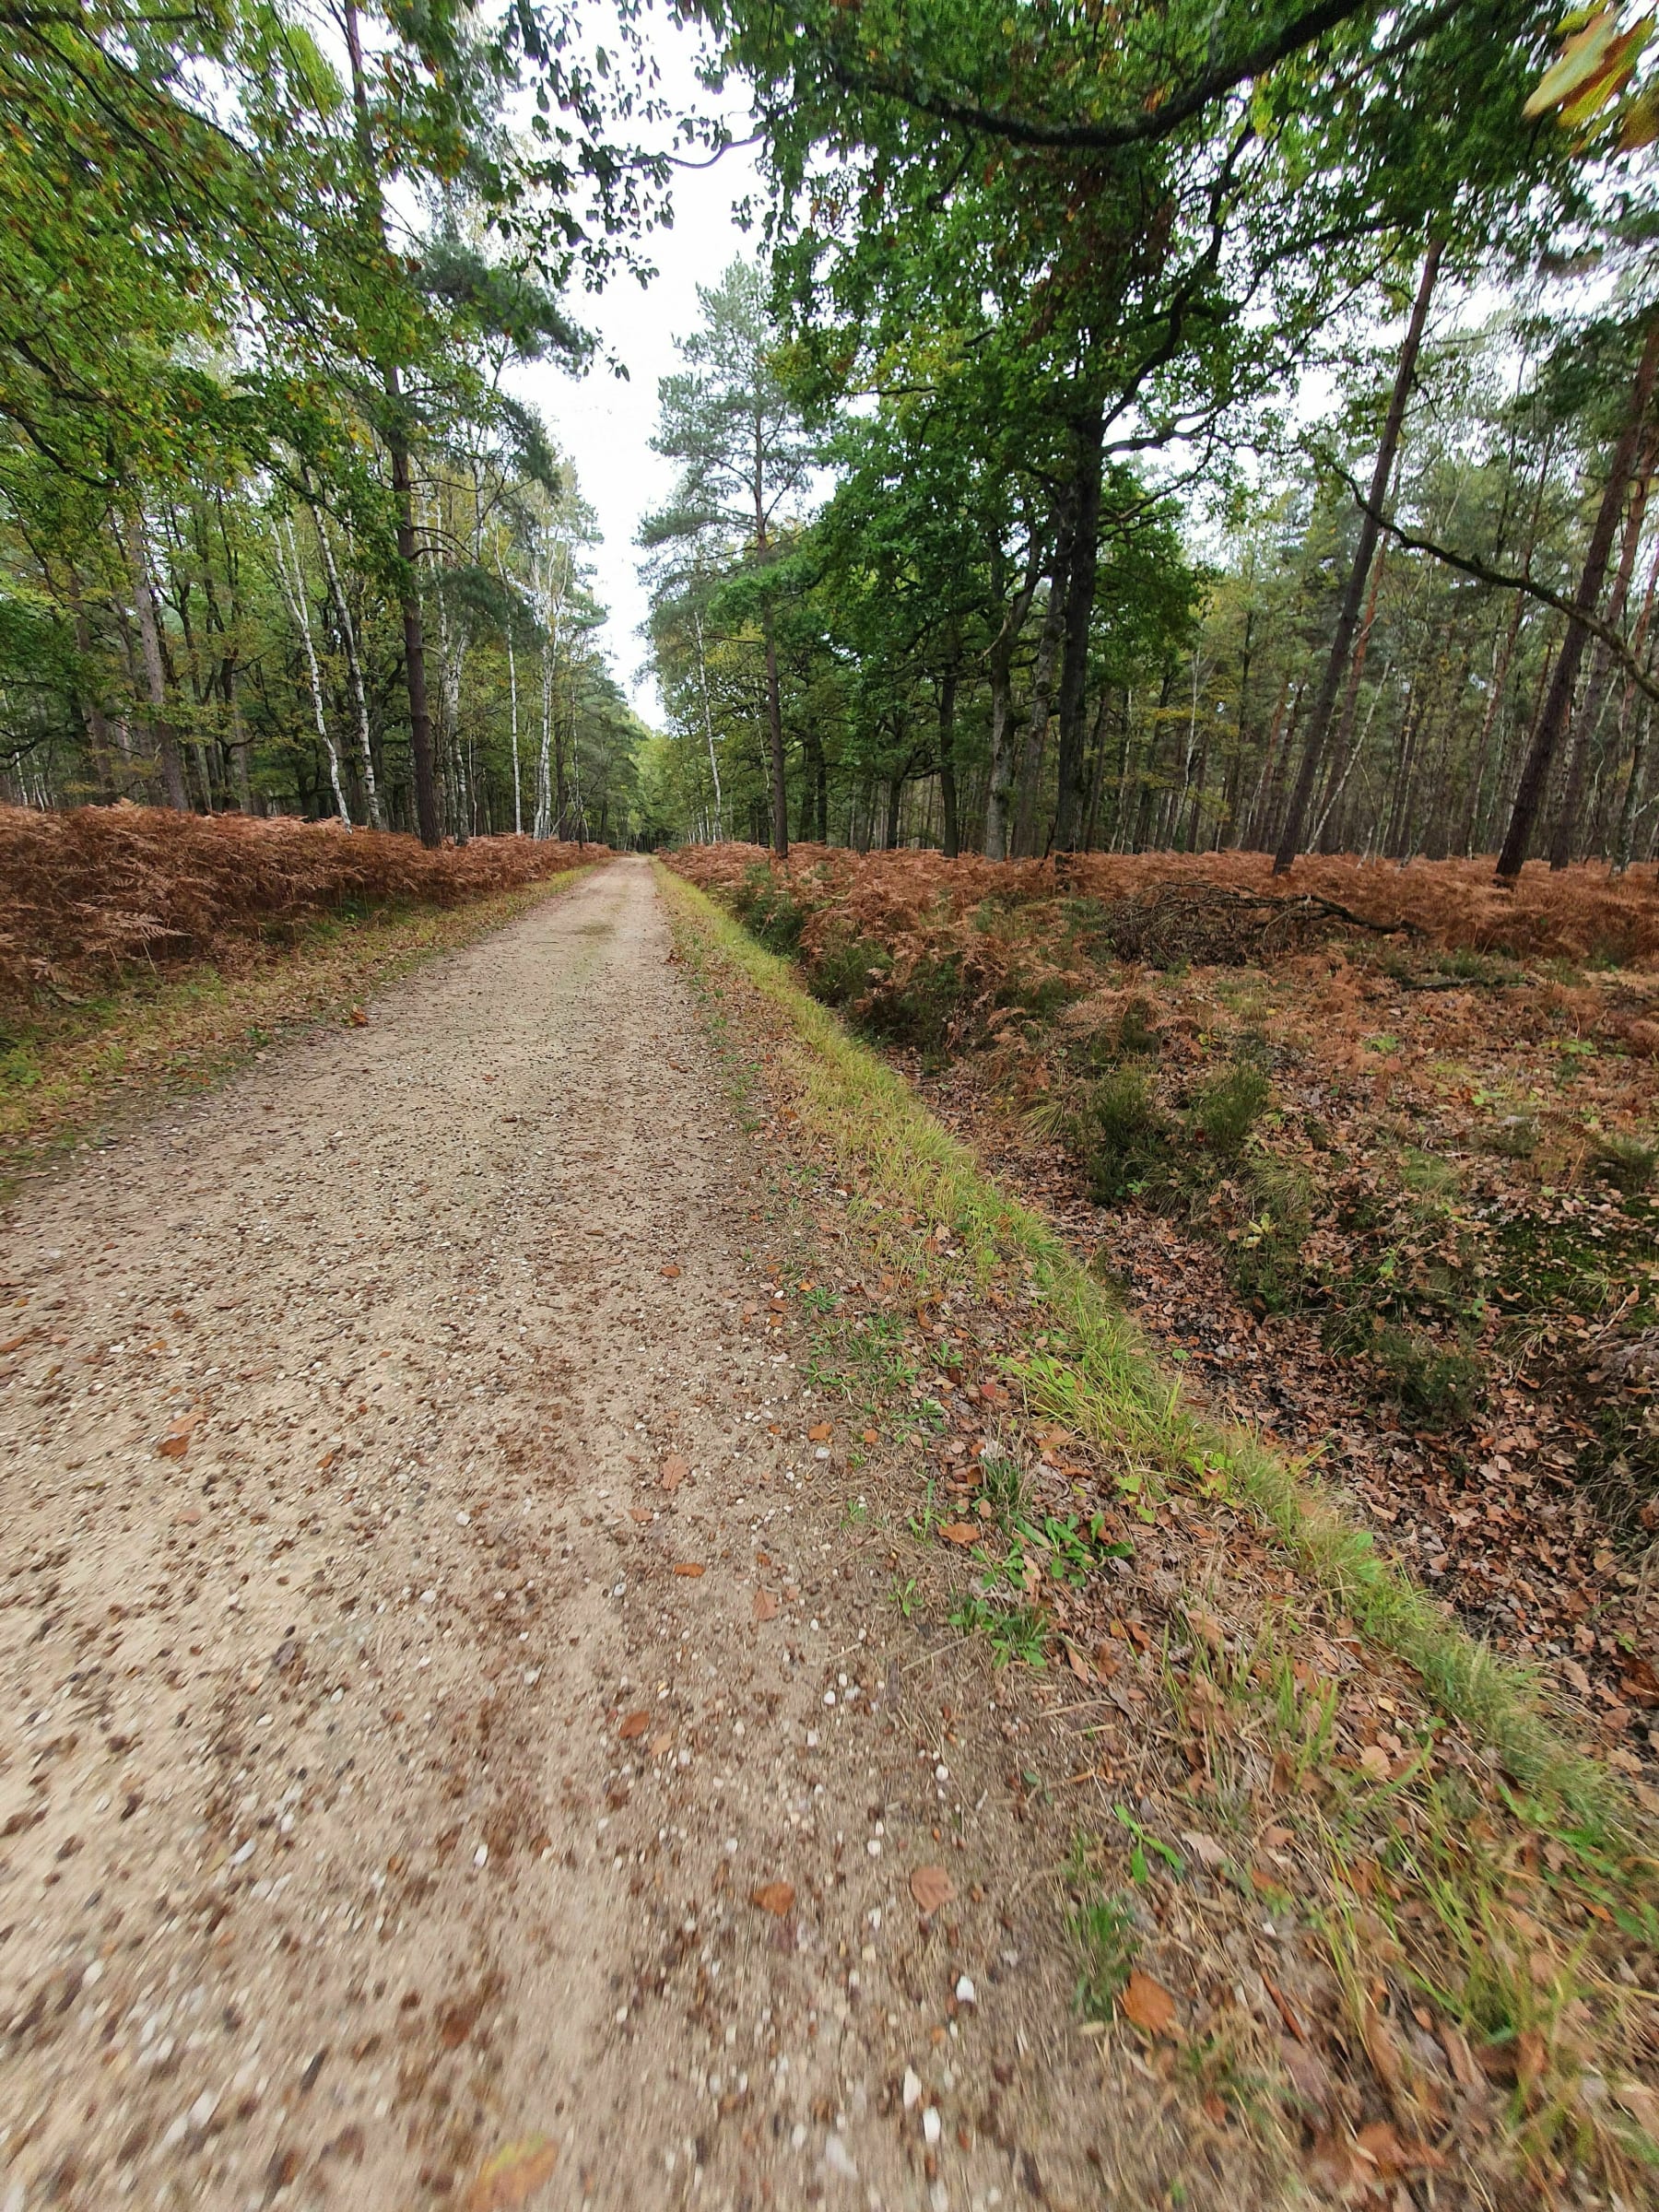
{"points": [[155, 675], [948, 782], [1080, 585], [1042, 685], [1626, 812], [703, 673], [1592, 706], [775, 723], [403, 494], [1347, 616], [371, 805], [1558, 705], [294, 593], [1000, 660]]}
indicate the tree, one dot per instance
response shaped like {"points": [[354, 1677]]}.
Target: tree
{"points": [[747, 463], [1347, 618]]}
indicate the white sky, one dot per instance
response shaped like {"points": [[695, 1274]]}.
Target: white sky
{"points": [[603, 424]]}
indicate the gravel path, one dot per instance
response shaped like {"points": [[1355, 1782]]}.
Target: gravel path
{"points": [[427, 1624]]}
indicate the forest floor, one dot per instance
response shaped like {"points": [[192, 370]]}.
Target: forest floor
{"points": [[499, 1713]]}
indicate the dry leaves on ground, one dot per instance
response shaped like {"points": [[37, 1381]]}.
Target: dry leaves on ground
{"points": [[932, 1888], [508, 2180]]}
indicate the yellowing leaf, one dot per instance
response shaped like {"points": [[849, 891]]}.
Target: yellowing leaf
{"points": [[1146, 2004], [1579, 59], [510, 2178]]}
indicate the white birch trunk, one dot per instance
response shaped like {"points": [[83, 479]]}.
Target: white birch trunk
{"points": [[293, 591], [348, 639]]}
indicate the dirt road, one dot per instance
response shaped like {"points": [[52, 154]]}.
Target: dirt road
{"points": [[392, 1756]]}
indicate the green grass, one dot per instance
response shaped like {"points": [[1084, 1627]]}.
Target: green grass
{"points": [[1102, 1380]]}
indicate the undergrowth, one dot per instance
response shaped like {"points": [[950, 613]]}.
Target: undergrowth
{"points": [[1411, 1867]]}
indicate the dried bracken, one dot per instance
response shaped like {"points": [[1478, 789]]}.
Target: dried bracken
{"points": [[85, 896], [931, 948]]}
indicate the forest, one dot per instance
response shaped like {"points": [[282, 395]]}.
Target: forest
{"points": [[275, 535], [1270, 471], [1270, 474]]}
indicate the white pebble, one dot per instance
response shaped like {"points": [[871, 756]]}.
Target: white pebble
{"points": [[932, 2127], [965, 1993], [912, 2089]]}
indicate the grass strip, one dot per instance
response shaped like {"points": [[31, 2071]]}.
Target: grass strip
{"points": [[68, 1074], [1105, 1382]]}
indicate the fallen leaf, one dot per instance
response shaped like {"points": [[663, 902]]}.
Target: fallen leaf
{"points": [[670, 1271], [510, 2178], [635, 1725], [688, 1567], [675, 1471], [869, 1436], [776, 1898], [1459, 2057], [766, 1606], [820, 1432], [1375, 1759], [1147, 2003], [663, 1741], [1392, 2153], [456, 2021], [176, 1441], [1382, 2048], [1641, 2102], [1205, 1849], [359, 1020], [931, 1887], [328, 1459], [638, 1513], [1207, 1627], [960, 1532]]}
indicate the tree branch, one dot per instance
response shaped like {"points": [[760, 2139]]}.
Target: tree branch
{"points": [[1150, 126], [1470, 564]]}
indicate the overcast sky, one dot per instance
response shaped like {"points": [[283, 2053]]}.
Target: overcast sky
{"points": [[604, 425]]}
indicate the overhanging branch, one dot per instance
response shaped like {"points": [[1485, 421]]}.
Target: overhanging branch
{"points": [[1471, 564]]}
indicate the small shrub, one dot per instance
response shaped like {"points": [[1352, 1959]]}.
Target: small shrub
{"points": [[1125, 1139], [1227, 1109], [767, 905], [1514, 1137], [847, 967], [1441, 1388], [1104, 1937], [1137, 1033], [921, 1010], [1265, 1255], [1623, 1161]]}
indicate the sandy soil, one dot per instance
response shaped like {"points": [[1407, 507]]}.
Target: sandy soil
{"points": [[390, 1756]]}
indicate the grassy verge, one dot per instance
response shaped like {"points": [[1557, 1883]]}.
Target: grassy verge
{"points": [[1502, 1906], [1104, 1380], [68, 1073]]}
